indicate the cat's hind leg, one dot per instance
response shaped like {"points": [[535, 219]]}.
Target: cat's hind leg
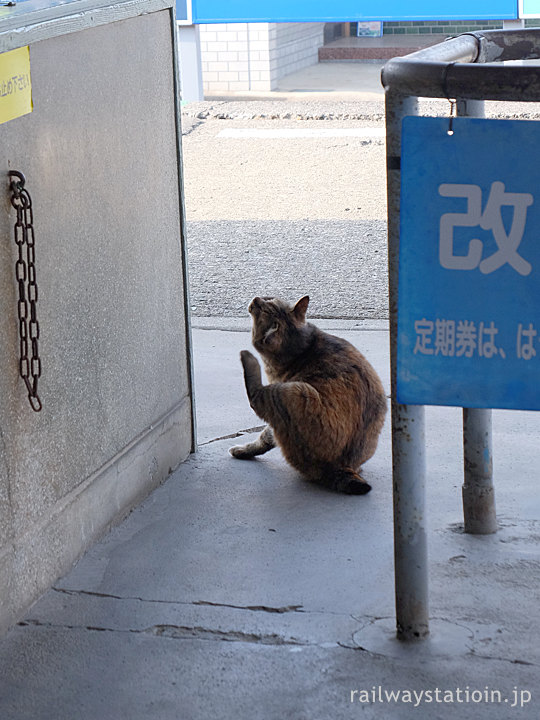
{"points": [[261, 445]]}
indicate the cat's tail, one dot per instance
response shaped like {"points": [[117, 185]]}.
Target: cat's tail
{"points": [[343, 480]]}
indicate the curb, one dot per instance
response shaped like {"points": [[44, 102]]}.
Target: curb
{"points": [[241, 324]]}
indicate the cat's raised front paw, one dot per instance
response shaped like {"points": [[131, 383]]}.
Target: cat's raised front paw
{"points": [[252, 373], [249, 361]]}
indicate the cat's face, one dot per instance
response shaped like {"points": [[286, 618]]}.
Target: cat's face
{"points": [[276, 325]]}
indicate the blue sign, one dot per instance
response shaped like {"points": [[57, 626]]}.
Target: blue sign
{"points": [[469, 265], [183, 11], [529, 8], [217, 11]]}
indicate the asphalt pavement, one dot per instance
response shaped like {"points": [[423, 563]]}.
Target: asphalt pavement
{"points": [[275, 208], [285, 215], [340, 264]]}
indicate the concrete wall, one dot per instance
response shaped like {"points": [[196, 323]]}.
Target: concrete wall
{"points": [[254, 56], [100, 156]]}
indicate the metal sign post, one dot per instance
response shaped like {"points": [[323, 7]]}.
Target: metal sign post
{"points": [[476, 225], [478, 493]]}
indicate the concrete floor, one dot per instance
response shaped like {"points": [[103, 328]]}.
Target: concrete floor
{"points": [[336, 78], [334, 81], [237, 590]]}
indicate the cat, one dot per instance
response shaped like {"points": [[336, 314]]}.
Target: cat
{"points": [[325, 405]]}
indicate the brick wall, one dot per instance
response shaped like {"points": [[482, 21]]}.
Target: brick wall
{"points": [[224, 56], [253, 56]]}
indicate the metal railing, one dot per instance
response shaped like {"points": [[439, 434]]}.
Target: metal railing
{"points": [[469, 69]]}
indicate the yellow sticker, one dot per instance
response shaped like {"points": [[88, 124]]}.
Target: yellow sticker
{"points": [[15, 84]]}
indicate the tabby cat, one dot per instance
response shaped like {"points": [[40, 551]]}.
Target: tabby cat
{"points": [[324, 404]]}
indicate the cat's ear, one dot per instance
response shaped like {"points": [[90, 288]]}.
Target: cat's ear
{"points": [[255, 304], [300, 309]]}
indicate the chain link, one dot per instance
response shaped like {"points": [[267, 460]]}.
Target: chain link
{"points": [[25, 275]]}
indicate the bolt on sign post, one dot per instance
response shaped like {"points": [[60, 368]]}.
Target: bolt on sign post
{"points": [[464, 271]]}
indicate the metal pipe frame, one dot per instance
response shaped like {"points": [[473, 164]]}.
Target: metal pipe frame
{"points": [[467, 68], [470, 67], [408, 442], [478, 493]]}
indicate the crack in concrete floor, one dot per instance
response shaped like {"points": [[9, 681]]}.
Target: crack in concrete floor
{"points": [[239, 433], [191, 632]]}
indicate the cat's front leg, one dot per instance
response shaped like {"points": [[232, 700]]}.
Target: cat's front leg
{"points": [[252, 373], [253, 381]]}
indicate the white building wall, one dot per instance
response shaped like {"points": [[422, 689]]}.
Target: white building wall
{"points": [[296, 45], [238, 57]]}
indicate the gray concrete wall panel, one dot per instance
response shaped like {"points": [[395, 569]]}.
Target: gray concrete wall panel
{"points": [[100, 157]]}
